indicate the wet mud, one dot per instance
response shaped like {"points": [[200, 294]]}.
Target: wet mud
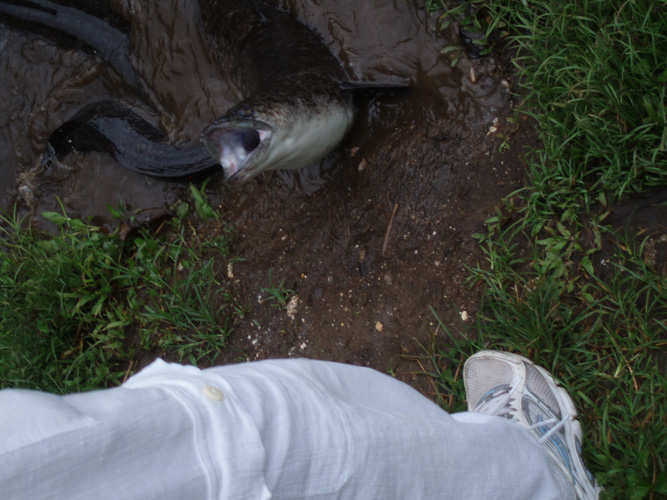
{"points": [[370, 239]]}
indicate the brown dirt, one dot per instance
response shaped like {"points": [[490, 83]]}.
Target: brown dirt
{"points": [[370, 240], [366, 280]]}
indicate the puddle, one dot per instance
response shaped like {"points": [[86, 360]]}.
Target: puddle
{"points": [[328, 230]]}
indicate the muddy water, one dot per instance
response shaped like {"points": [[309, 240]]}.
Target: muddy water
{"points": [[42, 84]]}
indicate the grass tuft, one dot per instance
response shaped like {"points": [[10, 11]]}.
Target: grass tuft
{"points": [[605, 341], [279, 295], [81, 308], [593, 77]]}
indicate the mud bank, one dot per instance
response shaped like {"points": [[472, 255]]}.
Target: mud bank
{"points": [[370, 239]]}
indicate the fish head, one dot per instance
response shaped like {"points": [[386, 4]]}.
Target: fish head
{"points": [[239, 143], [278, 131]]}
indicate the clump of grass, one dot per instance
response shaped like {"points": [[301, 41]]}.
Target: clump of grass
{"points": [[604, 340], [78, 308], [598, 81], [595, 79], [279, 294], [593, 74], [479, 33]]}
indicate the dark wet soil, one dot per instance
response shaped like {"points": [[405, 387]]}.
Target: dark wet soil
{"points": [[370, 240]]}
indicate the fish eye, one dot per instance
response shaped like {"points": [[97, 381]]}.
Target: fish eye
{"points": [[241, 111]]}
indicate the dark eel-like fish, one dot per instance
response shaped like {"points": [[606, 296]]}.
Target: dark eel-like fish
{"points": [[295, 107]]}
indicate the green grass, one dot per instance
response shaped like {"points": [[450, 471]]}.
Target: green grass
{"points": [[594, 76], [605, 341], [81, 308], [279, 295]]}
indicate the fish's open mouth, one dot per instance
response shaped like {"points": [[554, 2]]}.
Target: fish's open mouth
{"points": [[235, 144]]}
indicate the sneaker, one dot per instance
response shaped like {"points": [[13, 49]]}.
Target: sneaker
{"points": [[513, 387]]}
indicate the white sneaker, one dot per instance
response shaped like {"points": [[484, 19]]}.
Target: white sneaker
{"points": [[511, 386]]}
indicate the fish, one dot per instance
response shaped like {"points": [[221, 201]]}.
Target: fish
{"points": [[109, 126], [294, 110], [296, 104]]}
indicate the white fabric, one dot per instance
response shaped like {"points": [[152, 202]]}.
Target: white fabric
{"points": [[282, 429]]}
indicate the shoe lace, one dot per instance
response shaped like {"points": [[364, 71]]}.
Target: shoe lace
{"points": [[498, 403], [558, 424]]}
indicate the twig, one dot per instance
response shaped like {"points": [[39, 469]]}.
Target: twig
{"points": [[127, 373], [456, 377], [386, 235]]}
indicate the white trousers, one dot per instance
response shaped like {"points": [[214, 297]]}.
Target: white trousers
{"points": [[282, 429]]}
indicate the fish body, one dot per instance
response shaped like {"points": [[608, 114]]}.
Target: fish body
{"points": [[290, 84]]}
